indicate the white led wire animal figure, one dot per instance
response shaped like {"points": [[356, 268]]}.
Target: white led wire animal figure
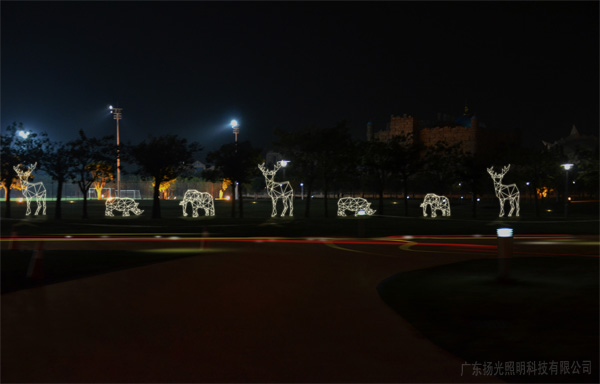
{"points": [[435, 202], [122, 204], [278, 189], [504, 192], [35, 191], [354, 204], [198, 200]]}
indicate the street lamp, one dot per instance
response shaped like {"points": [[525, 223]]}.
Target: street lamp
{"points": [[236, 129], [302, 191], [23, 134], [567, 167], [118, 115]]}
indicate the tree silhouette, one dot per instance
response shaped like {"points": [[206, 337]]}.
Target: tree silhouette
{"points": [[236, 162], [163, 159], [57, 161], [14, 150], [86, 152]]}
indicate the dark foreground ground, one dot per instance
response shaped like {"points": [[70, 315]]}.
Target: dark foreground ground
{"points": [[126, 305]]}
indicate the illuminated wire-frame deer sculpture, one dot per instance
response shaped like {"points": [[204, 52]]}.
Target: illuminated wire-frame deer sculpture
{"points": [[508, 192], [32, 190], [278, 189]]}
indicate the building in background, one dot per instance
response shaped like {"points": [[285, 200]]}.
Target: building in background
{"points": [[466, 131]]}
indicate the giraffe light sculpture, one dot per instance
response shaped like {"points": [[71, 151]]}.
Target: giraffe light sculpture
{"points": [[35, 191], [278, 189], [504, 192]]}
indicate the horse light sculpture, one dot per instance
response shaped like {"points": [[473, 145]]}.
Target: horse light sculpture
{"points": [[32, 190], [508, 192], [436, 203], [198, 200], [278, 189], [122, 204], [358, 205]]}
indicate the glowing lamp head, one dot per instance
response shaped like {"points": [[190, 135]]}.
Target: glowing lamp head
{"points": [[302, 184], [23, 134], [110, 107], [567, 166], [504, 232], [234, 124], [284, 163]]}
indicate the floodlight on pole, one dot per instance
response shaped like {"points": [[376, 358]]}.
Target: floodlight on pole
{"points": [[567, 167], [236, 129], [23, 134], [118, 115]]}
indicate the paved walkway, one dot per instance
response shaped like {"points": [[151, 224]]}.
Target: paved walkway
{"points": [[259, 313]]}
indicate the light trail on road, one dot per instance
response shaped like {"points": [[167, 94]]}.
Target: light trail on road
{"points": [[524, 244]]}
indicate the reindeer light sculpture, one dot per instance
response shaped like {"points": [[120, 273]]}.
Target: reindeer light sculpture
{"points": [[278, 189], [32, 190], [504, 192]]}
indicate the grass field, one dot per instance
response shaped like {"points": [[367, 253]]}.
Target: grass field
{"points": [[547, 312], [583, 219]]}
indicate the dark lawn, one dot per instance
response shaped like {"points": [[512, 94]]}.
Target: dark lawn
{"points": [[257, 221], [549, 311]]}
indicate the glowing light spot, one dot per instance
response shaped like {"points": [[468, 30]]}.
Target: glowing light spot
{"points": [[228, 198], [20, 200], [504, 232], [23, 134]]}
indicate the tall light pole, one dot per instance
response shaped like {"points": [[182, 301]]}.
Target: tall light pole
{"points": [[118, 115], [567, 167], [236, 129]]}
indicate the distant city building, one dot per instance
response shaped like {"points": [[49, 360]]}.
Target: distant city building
{"points": [[466, 131], [573, 144]]}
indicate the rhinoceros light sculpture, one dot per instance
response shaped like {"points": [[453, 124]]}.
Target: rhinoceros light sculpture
{"points": [[354, 204], [436, 203], [122, 204], [198, 200]]}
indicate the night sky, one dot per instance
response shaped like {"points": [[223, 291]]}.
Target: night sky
{"points": [[190, 67]]}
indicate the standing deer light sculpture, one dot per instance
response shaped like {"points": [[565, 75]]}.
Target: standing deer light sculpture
{"points": [[278, 189], [504, 192], [32, 190]]}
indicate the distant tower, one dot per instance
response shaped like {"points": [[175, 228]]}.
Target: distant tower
{"points": [[369, 131]]}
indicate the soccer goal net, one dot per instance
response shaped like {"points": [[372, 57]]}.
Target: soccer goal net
{"points": [[105, 193], [132, 193]]}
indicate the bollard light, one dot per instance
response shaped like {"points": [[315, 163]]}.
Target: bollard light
{"points": [[504, 232], [505, 250]]}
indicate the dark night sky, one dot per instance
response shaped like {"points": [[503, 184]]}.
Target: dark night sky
{"points": [[190, 67]]}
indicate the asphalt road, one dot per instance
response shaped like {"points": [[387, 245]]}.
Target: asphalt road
{"points": [[258, 310]]}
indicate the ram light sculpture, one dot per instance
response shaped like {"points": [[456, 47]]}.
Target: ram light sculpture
{"points": [[436, 203], [358, 205], [504, 192], [122, 204], [35, 191], [198, 200], [278, 189]]}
